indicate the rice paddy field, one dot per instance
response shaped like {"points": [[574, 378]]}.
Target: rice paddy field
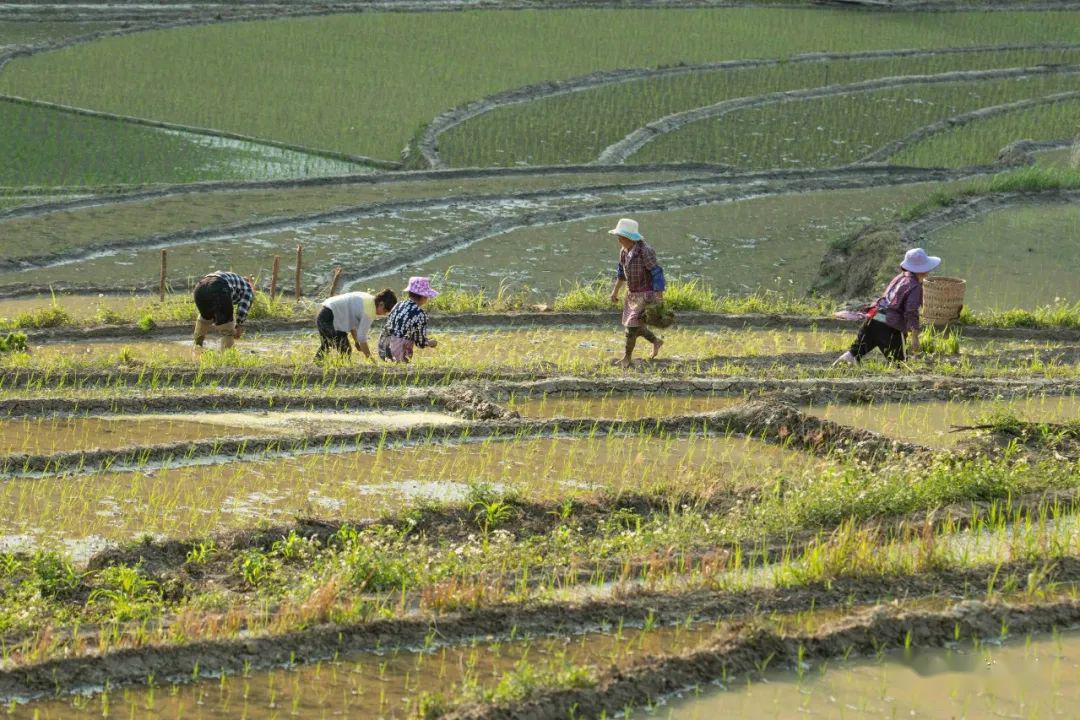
{"points": [[515, 524]]}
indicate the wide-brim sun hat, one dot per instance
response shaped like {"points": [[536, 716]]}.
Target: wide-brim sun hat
{"points": [[421, 286], [627, 228], [917, 261]]}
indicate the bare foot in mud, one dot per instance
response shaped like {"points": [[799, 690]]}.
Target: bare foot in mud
{"points": [[656, 348], [624, 363]]}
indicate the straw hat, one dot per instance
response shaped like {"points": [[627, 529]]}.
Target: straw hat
{"points": [[627, 228], [917, 261], [421, 286]]}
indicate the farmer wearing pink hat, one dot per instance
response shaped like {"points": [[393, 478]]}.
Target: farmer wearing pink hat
{"points": [[894, 313], [644, 279], [406, 325]]}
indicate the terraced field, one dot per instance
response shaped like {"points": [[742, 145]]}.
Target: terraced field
{"points": [[514, 525]]}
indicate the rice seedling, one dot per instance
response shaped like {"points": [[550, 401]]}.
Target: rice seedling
{"points": [[851, 126], [379, 109], [548, 131]]}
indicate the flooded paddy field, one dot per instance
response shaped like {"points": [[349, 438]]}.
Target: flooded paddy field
{"points": [[204, 498], [50, 435], [514, 526], [1032, 677]]}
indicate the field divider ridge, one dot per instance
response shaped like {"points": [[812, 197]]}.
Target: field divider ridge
{"points": [[633, 142], [771, 422]]}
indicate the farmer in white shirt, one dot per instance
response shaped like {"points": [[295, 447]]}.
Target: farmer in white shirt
{"points": [[350, 313]]}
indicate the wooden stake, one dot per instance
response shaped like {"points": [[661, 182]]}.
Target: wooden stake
{"points": [[273, 276], [334, 282], [299, 265], [161, 278]]}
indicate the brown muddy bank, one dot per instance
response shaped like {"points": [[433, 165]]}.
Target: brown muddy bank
{"points": [[772, 422], [132, 665], [744, 651]]}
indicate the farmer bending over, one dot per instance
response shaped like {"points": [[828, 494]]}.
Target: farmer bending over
{"points": [[215, 296], [894, 313], [644, 280], [406, 326], [350, 313]]}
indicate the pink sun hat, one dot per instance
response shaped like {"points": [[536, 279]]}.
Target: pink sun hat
{"points": [[421, 286]]}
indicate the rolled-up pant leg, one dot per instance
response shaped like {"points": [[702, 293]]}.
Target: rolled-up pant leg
{"points": [[633, 333]]}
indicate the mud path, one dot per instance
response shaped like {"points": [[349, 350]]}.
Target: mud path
{"points": [[427, 144], [621, 150], [775, 423], [742, 651], [131, 666], [885, 152], [530, 319]]}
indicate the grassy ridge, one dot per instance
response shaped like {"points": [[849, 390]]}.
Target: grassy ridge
{"points": [[363, 84]]}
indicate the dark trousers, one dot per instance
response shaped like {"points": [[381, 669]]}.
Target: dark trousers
{"points": [[876, 334], [633, 333], [214, 300], [331, 339]]}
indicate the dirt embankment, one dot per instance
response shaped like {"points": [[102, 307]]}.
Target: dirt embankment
{"points": [[130, 666], [771, 422], [742, 652]]}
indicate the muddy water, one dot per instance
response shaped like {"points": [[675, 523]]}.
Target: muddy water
{"points": [[49, 435], [622, 407], [387, 685], [1025, 678], [929, 422], [195, 500]]}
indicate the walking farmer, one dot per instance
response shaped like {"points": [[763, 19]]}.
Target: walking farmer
{"points": [[894, 313], [643, 277], [215, 296], [350, 313]]}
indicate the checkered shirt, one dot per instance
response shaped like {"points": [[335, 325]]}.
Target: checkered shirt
{"points": [[240, 292], [636, 265]]}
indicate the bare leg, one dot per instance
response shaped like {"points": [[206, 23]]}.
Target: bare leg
{"points": [[201, 328]]}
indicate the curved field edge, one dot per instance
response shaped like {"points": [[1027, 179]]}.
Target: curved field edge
{"points": [[526, 121], [525, 55], [131, 666], [622, 150], [744, 651], [776, 424]]}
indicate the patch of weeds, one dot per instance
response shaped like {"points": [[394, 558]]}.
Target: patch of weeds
{"points": [[54, 575], [146, 323], [126, 593], [201, 553], [47, 317], [255, 568], [293, 547], [107, 316], [13, 343]]}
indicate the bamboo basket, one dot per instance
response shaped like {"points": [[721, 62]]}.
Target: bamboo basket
{"points": [[943, 298]]}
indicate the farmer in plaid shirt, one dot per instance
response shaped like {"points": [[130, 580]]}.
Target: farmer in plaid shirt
{"points": [[215, 296], [644, 279]]}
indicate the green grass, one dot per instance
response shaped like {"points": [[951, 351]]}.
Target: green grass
{"points": [[364, 84], [577, 127], [695, 296], [979, 142], [46, 147], [831, 131]]}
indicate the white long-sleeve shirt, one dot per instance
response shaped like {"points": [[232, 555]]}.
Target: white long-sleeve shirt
{"points": [[352, 311]]}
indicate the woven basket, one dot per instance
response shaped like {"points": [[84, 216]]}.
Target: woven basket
{"points": [[943, 298]]}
